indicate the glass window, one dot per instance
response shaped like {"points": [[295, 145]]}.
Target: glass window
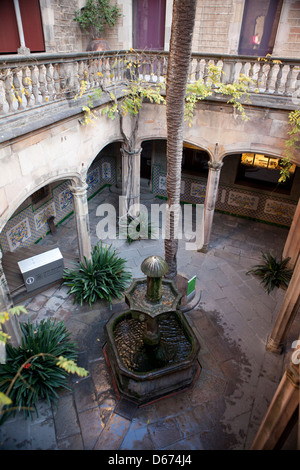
{"points": [[263, 172], [259, 27]]}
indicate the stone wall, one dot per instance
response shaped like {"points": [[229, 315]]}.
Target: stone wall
{"points": [[217, 27], [288, 36]]}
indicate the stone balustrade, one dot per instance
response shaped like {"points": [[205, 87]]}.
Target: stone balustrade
{"points": [[40, 79]]}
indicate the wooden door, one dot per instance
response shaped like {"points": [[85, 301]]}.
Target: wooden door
{"points": [[149, 24]]}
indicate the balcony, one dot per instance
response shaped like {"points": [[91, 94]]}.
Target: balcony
{"points": [[40, 89]]}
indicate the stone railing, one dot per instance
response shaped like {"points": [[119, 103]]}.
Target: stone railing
{"points": [[40, 79]]}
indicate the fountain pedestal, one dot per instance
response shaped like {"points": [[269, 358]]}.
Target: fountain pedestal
{"points": [[151, 348]]}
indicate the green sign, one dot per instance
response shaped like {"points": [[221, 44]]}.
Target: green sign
{"points": [[191, 285]]}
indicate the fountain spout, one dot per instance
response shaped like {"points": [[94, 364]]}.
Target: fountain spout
{"points": [[155, 268]]}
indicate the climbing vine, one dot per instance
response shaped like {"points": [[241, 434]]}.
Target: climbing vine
{"points": [[291, 145]]}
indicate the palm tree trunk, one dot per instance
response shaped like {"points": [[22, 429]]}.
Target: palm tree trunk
{"points": [[177, 74]]}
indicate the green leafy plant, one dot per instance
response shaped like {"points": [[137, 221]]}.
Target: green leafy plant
{"points": [[273, 273], [96, 14], [102, 277], [291, 145], [37, 369]]}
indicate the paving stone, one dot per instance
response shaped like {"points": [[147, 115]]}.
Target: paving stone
{"points": [[164, 433], [113, 434], [190, 443], [65, 417], [91, 426], [71, 443], [219, 349], [43, 436], [137, 439], [53, 304], [84, 395]]}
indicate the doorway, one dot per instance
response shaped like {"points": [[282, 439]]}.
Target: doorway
{"points": [[149, 24]]}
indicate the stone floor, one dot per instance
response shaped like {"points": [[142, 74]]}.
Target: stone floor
{"points": [[232, 321]]}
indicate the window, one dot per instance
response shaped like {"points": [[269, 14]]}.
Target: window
{"points": [[31, 26], [195, 161], [263, 172], [259, 27]]}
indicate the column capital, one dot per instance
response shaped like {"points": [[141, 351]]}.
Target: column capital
{"points": [[78, 190], [131, 153], [215, 166]]}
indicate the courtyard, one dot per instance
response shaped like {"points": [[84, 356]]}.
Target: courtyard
{"points": [[231, 316]]}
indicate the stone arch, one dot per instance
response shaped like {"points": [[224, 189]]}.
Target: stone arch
{"points": [[27, 192]]}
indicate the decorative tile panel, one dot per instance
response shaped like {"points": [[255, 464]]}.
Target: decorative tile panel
{"points": [[106, 170], [65, 199], [93, 180], [19, 234], [279, 209], [43, 214], [246, 201], [198, 190]]}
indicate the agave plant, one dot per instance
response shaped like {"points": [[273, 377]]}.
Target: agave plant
{"points": [[102, 277], [273, 273], [31, 372]]}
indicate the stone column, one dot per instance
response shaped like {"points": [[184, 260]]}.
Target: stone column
{"points": [[292, 244], [11, 326], [282, 412], [23, 49], [210, 201], [286, 315], [81, 211], [130, 182]]}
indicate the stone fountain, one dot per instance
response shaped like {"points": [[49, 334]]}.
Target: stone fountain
{"points": [[151, 349]]}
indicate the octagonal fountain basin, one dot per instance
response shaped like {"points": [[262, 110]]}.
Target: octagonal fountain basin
{"points": [[144, 373]]}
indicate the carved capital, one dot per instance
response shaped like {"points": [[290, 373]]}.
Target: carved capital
{"points": [[131, 153], [293, 374], [274, 346]]}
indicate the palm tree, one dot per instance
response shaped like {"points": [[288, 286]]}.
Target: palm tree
{"points": [[183, 20]]}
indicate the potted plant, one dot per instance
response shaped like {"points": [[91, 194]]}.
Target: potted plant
{"points": [[93, 17]]}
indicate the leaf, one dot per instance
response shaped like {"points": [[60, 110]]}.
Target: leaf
{"points": [[4, 400], [71, 367]]}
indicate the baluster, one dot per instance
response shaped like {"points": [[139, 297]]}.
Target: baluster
{"points": [[288, 81], [49, 80], [2, 96], [197, 72], [251, 74], [17, 90], [269, 78], [56, 79], [158, 68], [62, 78], [91, 78], [76, 77], [9, 91], [242, 71], [278, 79], [42, 82], [205, 71], [34, 84], [26, 81], [260, 74], [232, 72]]}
